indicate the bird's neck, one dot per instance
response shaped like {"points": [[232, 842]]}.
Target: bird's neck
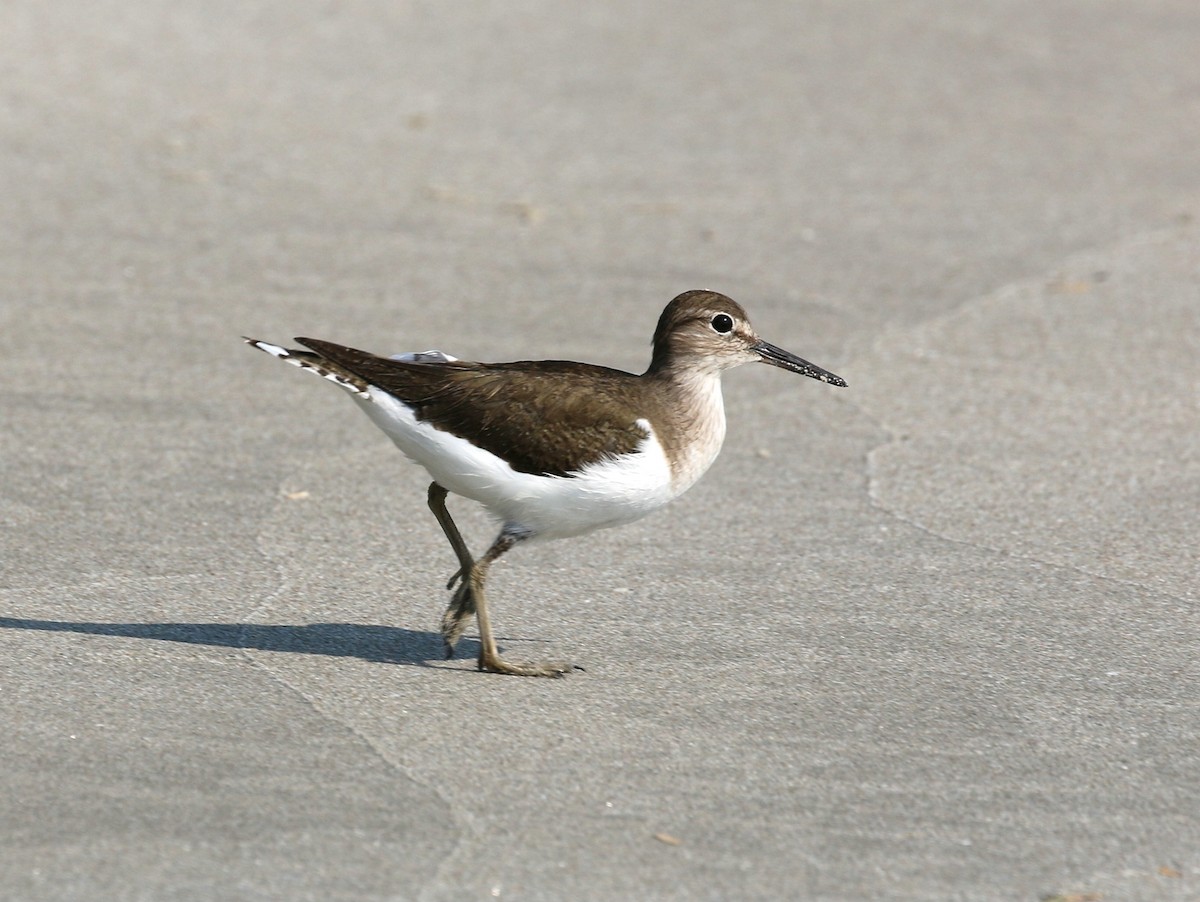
{"points": [[690, 401]]}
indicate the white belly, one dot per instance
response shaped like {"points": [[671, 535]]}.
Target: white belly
{"points": [[608, 493]]}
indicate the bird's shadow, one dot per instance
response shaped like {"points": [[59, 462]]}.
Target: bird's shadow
{"points": [[378, 644]]}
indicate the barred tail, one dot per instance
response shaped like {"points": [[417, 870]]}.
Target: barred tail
{"points": [[308, 360]]}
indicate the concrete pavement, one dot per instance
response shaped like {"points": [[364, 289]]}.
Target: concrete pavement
{"points": [[930, 637]]}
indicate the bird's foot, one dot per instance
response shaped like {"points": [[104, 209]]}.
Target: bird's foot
{"points": [[457, 617], [495, 664]]}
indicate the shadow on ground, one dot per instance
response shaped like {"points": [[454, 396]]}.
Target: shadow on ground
{"points": [[379, 644]]}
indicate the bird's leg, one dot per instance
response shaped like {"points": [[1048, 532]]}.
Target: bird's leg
{"points": [[489, 656], [437, 504], [468, 599], [462, 605]]}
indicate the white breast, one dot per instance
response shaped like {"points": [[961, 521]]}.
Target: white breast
{"points": [[603, 494]]}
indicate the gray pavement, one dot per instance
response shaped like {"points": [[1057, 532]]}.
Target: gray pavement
{"points": [[931, 637]]}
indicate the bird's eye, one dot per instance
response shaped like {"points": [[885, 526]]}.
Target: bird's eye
{"points": [[722, 323]]}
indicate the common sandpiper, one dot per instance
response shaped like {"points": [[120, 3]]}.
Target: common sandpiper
{"points": [[553, 448]]}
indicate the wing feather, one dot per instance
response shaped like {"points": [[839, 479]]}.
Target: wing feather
{"points": [[548, 417]]}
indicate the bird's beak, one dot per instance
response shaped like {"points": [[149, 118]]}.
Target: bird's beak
{"points": [[768, 353]]}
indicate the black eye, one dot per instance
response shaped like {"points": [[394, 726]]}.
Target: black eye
{"points": [[722, 323]]}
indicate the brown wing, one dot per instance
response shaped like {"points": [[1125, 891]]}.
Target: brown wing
{"points": [[546, 417]]}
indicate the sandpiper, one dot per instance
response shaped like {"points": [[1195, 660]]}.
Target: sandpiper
{"points": [[553, 448]]}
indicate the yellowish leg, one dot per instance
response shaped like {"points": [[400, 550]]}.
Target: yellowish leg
{"points": [[468, 600], [462, 605], [489, 656]]}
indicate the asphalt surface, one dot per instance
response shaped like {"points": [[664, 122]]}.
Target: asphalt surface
{"points": [[930, 637]]}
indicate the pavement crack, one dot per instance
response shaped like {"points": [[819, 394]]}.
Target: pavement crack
{"points": [[999, 551], [258, 659], [986, 452]]}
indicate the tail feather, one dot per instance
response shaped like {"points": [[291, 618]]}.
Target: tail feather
{"points": [[307, 360]]}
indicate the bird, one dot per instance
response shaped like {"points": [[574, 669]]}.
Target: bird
{"points": [[552, 449]]}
